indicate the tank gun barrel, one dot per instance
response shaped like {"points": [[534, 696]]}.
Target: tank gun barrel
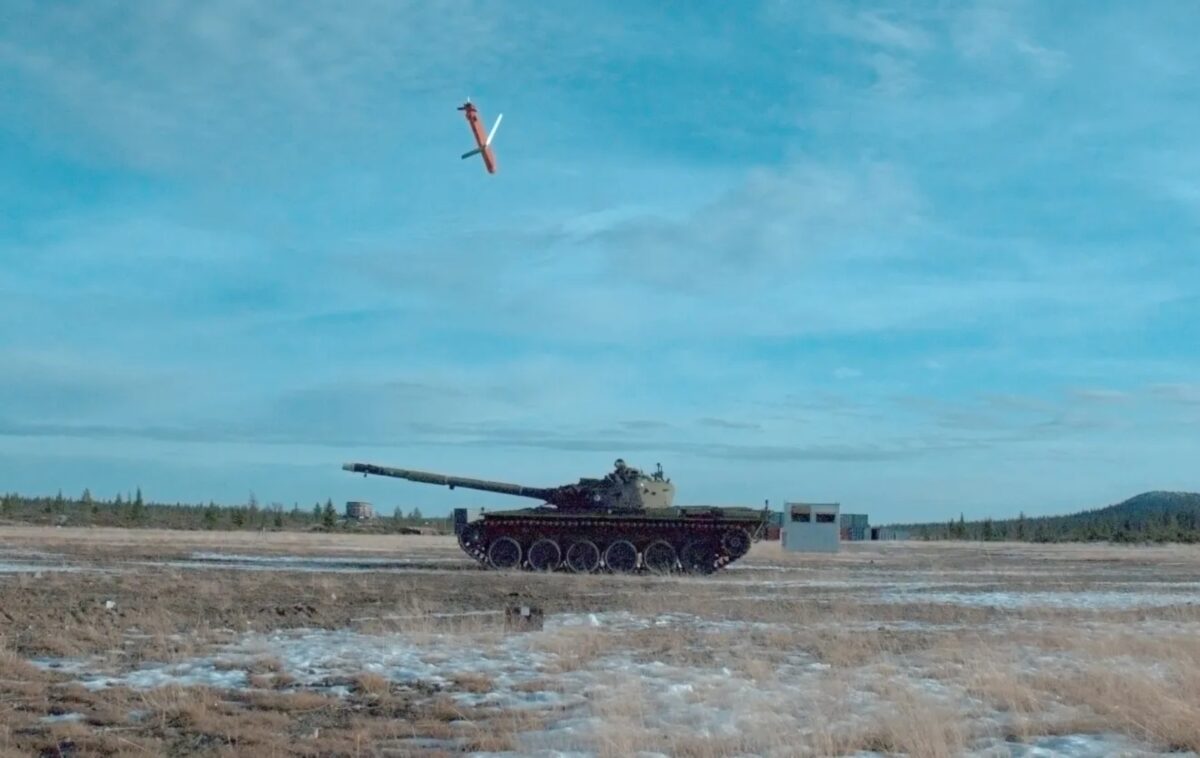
{"points": [[426, 477]]}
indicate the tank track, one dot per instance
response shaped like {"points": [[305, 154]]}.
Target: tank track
{"points": [[620, 546]]}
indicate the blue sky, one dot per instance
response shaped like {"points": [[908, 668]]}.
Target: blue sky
{"points": [[916, 258]]}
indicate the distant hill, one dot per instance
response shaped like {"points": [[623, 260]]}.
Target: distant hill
{"points": [[1149, 503], [1149, 517]]}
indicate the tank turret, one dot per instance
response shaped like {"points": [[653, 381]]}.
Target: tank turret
{"points": [[623, 490]]}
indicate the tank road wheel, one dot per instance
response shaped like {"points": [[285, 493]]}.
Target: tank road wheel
{"points": [[659, 557], [583, 557], [736, 542], [505, 553], [470, 539], [698, 558], [621, 557], [544, 555]]}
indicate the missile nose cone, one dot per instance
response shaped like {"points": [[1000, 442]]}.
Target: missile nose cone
{"points": [[347, 466]]}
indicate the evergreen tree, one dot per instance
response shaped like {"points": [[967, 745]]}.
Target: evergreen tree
{"points": [[1170, 526], [1021, 526], [317, 513], [237, 517], [210, 516], [415, 514], [137, 507], [987, 531], [329, 515]]}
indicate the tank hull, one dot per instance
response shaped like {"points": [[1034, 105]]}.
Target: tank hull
{"points": [[697, 540]]}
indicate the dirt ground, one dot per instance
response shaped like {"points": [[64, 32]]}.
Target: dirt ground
{"points": [[123, 642]]}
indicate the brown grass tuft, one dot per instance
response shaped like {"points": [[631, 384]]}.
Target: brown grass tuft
{"points": [[289, 702], [445, 709], [371, 684], [473, 682]]}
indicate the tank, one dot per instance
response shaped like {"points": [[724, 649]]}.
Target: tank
{"points": [[624, 522]]}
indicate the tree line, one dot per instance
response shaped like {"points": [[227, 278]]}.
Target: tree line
{"points": [[131, 509], [1150, 517]]}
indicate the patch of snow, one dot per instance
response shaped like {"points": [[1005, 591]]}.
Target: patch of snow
{"points": [[626, 621], [427, 616], [319, 560], [547, 754], [12, 567], [193, 673], [1074, 746], [866, 583], [430, 743], [1082, 600], [65, 665], [298, 563], [41, 555]]}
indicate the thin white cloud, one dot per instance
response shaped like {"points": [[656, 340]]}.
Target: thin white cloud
{"points": [[993, 34], [877, 29], [1100, 395], [774, 221], [894, 76], [1178, 393]]}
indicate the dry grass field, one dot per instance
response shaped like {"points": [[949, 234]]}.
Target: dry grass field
{"points": [[118, 642]]}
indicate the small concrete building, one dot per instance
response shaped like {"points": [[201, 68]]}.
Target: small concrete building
{"points": [[855, 527], [890, 533], [810, 528], [359, 511]]}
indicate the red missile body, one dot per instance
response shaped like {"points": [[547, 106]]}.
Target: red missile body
{"points": [[483, 143]]}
